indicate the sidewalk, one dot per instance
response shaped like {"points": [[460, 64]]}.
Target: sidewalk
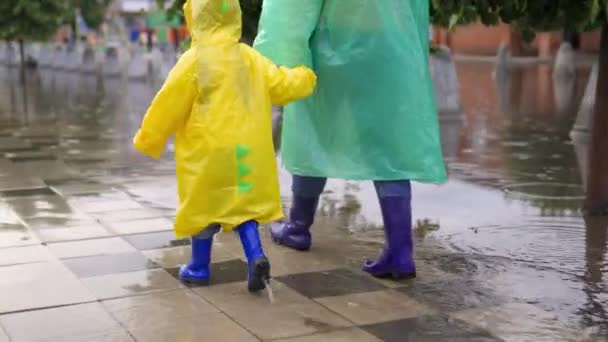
{"points": [[87, 254]]}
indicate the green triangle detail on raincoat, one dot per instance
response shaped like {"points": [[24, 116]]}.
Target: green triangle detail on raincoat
{"points": [[244, 170], [242, 151], [245, 187]]}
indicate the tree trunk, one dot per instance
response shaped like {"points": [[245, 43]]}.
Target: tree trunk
{"points": [[572, 37], [597, 186], [22, 60]]}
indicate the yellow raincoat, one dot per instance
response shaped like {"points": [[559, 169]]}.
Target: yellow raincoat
{"points": [[217, 102]]}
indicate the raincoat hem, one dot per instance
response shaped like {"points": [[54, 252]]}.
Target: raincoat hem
{"points": [[182, 233], [396, 176]]}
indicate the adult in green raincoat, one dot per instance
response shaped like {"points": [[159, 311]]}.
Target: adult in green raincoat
{"points": [[373, 116]]}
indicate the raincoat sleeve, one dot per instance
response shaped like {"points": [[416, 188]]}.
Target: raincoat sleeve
{"points": [[169, 109], [285, 84], [286, 27]]}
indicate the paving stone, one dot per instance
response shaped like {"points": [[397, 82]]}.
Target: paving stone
{"points": [[451, 295], [156, 240], [225, 272], [3, 336], [39, 285], [429, 329], [47, 170], [37, 189], [47, 220], [158, 311], [77, 186], [336, 282], [12, 144], [129, 215], [71, 233], [520, 322], [209, 327], [86, 267], [290, 315], [375, 307], [84, 322], [40, 206], [15, 235], [129, 284], [24, 255], [170, 258], [26, 156], [344, 335], [92, 247], [140, 226], [286, 261]]}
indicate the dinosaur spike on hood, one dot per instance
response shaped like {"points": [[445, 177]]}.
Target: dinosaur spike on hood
{"points": [[213, 22]]}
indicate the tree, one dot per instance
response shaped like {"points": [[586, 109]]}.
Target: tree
{"points": [[252, 9], [93, 11], [27, 20], [530, 16]]}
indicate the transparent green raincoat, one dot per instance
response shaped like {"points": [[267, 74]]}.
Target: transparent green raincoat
{"points": [[373, 116]]}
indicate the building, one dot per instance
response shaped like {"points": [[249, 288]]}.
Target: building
{"points": [[143, 21], [133, 6]]}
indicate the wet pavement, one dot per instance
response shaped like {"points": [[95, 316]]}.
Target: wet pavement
{"points": [[86, 251]]}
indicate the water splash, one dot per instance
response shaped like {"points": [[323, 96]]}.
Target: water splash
{"points": [[269, 291]]}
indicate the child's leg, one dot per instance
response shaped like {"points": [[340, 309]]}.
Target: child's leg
{"points": [[258, 265], [197, 271]]}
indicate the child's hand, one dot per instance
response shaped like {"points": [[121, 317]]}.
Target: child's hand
{"points": [[148, 144], [310, 78]]}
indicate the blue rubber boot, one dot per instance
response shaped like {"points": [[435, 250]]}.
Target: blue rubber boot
{"points": [[258, 265], [295, 233], [397, 259], [197, 270]]}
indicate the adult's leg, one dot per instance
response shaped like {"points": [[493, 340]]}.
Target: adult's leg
{"points": [[197, 270], [397, 258], [295, 233], [258, 265]]}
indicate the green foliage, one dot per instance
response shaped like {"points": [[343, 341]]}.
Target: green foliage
{"points": [[32, 19], [528, 16], [93, 11], [252, 10], [185, 44], [175, 9]]}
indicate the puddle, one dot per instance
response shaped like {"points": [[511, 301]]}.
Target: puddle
{"points": [[548, 191]]}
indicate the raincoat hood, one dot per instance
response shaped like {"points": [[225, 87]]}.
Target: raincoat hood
{"points": [[213, 22]]}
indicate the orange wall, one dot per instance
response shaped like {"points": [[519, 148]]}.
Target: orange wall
{"points": [[480, 39]]}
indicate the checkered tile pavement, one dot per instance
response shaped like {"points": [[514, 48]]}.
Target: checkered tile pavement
{"points": [[84, 259]]}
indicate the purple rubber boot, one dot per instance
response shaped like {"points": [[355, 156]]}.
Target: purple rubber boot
{"points": [[295, 233], [397, 259]]}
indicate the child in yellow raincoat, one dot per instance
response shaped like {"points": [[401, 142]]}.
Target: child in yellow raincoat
{"points": [[217, 102]]}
